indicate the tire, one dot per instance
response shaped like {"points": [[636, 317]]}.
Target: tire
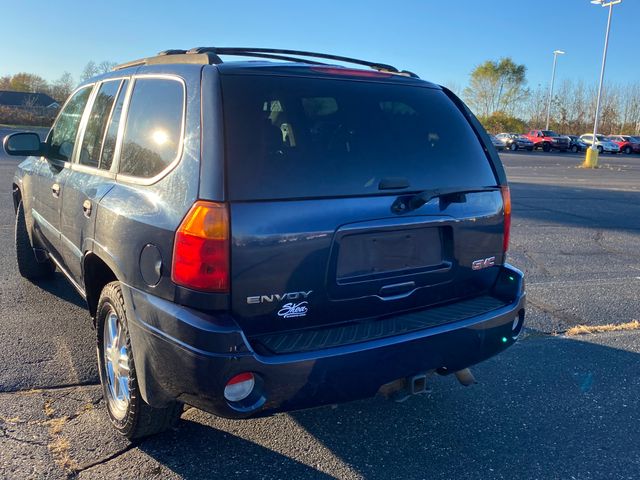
{"points": [[130, 415], [28, 265], [530, 149], [575, 149], [513, 147], [546, 147], [627, 150], [600, 149]]}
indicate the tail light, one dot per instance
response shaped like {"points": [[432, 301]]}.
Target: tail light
{"points": [[201, 248], [506, 205]]}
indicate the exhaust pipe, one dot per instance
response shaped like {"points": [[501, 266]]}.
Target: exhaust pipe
{"points": [[465, 377]]}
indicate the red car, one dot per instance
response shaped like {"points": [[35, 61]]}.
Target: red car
{"points": [[626, 143]]}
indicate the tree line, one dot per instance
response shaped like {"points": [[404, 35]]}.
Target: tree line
{"points": [[498, 94], [58, 89]]}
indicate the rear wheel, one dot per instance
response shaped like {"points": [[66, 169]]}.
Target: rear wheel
{"points": [[546, 147], [627, 150], [575, 149], [600, 149], [28, 265], [129, 413], [513, 147]]}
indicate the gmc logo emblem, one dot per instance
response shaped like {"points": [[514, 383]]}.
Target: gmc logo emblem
{"points": [[483, 263]]}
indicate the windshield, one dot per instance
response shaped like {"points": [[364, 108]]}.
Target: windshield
{"points": [[295, 137], [602, 138]]}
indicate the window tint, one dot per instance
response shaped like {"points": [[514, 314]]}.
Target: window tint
{"points": [[298, 137], [94, 132], [109, 144], [63, 135], [154, 122]]}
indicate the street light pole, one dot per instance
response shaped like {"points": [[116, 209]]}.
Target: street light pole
{"points": [[591, 161], [553, 77]]}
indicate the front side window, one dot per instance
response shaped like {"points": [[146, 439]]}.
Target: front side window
{"points": [[153, 130], [65, 130], [98, 118]]}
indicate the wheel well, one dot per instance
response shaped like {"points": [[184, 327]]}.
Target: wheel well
{"points": [[96, 275], [17, 196]]}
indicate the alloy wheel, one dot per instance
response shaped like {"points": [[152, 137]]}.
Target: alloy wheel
{"points": [[116, 364]]}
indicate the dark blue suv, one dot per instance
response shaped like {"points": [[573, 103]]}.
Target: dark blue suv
{"points": [[253, 237]]}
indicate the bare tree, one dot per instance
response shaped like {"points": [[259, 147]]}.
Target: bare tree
{"points": [[62, 88], [89, 70], [106, 66]]}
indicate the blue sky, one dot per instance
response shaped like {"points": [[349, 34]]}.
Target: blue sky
{"points": [[441, 40]]}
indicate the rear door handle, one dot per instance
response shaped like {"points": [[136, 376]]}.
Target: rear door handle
{"points": [[86, 208], [55, 190]]}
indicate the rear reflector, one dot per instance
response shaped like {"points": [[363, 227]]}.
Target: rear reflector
{"points": [[201, 249], [506, 202], [239, 387]]}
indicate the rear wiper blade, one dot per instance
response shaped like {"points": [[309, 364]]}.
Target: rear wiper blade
{"points": [[451, 194]]}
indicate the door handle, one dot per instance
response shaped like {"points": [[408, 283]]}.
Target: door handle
{"points": [[55, 190], [86, 208]]}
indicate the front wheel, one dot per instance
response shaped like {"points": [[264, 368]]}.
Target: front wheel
{"points": [[546, 147], [129, 413], [627, 150], [513, 147], [575, 149], [28, 265], [600, 149]]}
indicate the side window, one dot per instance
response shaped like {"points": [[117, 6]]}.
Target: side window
{"points": [[153, 129], [98, 118], [63, 135], [110, 137]]}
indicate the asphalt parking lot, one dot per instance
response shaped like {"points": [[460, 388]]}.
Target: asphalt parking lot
{"points": [[552, 406]]}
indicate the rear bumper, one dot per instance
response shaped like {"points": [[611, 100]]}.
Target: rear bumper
{"points": [[188, 355]]}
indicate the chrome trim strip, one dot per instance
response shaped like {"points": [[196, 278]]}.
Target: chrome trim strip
{"points": [[44, 223], [71, 280]]}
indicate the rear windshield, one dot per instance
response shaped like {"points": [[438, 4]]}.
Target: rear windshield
{"points": [[292, 137]]}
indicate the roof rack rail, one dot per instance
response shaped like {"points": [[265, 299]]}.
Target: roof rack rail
{"points": [[210, 55]]}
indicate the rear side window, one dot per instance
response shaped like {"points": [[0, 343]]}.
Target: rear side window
{"points": [[289, 137], [98, 118], [110, 137], [65, 130], [153, 130]]}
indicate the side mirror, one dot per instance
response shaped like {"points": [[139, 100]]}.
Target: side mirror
{"points": [[23, 144]]}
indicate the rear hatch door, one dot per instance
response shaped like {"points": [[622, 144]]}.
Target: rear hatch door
{"points": [[321, 173]]}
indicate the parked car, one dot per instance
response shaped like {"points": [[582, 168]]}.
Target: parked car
{"points": [[548, 140], [515, 141], [603, 144], [259, 237], [576, 144], [497, 143], [626, 143]]}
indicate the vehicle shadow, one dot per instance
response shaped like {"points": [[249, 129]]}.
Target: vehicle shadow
{"points": [[59, 286], [197, 451], [549, 407]]}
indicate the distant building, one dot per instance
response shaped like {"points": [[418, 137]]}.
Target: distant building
{"points": [[27, 100]]}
